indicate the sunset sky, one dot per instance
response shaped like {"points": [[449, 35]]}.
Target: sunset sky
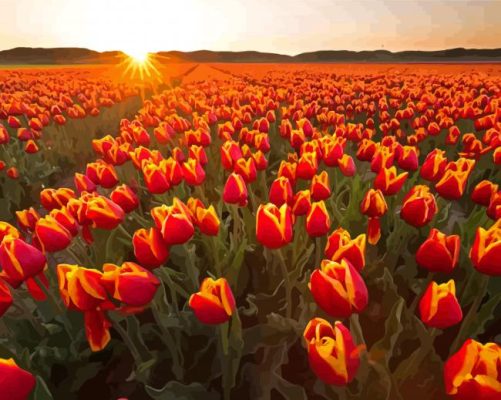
{"points": [[282, 26]]}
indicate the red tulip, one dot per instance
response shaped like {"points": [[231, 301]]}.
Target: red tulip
{"points": [[389, 182], [301, 203], [419, 206], [125, 197], [320, 188], [338, 288], [439, 253], [439, 307], [104, 213], [214, 303], [332, 354], [318, 220], [486, 250], [483, 191], [235, 190], [97, 329], [281, 191], [274, 225], [340, 245], [5, 299], [149, 247], [15, 382], [52, 235]]}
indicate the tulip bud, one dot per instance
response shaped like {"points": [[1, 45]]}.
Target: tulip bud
{"points": [[318, 221], [338, 288], [289, 170], [7, 229], [486, 250], [280, 191], [193, 172], [155, 178], [246, 168], [131, 284], [15, 382], [235, 190], [125, 197], [149, 248], [419, 206], [102, 173], [347, 165], [439, 253], [473, 372], [84, 184], [19, 260], [214, 302], [56, 198], [332, 354], [408, 158], [177, 227], [80, 288], [494, 208], [439, 307]]}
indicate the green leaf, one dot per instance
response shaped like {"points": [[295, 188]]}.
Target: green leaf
{"points": [[178, 391], [41, 391]]}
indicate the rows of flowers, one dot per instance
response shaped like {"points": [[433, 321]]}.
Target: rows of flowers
{"points": [[350, 221]]}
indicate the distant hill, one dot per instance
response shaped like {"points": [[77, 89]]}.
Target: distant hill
{"points": [[61, 56]]}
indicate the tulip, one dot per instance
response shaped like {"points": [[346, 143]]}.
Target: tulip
{"points": [[235, 190], [439, 307], [7, 229], [483, 191], [149, 248], [176, 226], [173, 171], [439, 252], [408, 158], [102, 173], [338, 288], [274, 225], [320, 188], [366, 150], [155, 178], [207, 220], [97, 329], [332, 354], [433, 166], [494, 208], [307, 166], [84, 184], [27, 219], [131, 284], [80, 288], [318, 220], [193, 172], [301, 203], [473, 372], [5, 298], [56, 198], [230, 154], [374, 206], [389, 182], [125, 197], [347, 165], [19, 260], [104, 213], [15, 382], [289, 170], [13, 173], [31, 147], [340, 245], [333, 150], [486, 250], [52, 235], [214, 302], [281, 191], [452, 184], [246, 168], [419, 206]]}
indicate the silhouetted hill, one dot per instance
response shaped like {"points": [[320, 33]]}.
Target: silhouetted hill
{"points": [[60, 56]]}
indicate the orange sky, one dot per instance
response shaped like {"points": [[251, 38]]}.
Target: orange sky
{"points": [[282, 26]]}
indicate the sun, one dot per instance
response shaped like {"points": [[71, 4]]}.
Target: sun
{"points": [[138, 56]]}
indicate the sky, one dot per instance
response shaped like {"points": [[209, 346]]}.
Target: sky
{"points": [[280, 26]]}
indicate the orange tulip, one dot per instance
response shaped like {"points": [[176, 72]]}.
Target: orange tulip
{"points": [[214, 303], [27, 219], [338, 288], [439, 307], [56, 198], [15, 382], [374, 206], [274, 225], [84, 184], [207, 220], [452, 184], [347, 165], [486, 250], [332, 354]]}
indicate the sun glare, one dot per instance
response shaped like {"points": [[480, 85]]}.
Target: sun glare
{"points": [[139, 56]]}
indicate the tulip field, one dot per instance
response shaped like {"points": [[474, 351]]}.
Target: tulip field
{"points": [[251, 231]]}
